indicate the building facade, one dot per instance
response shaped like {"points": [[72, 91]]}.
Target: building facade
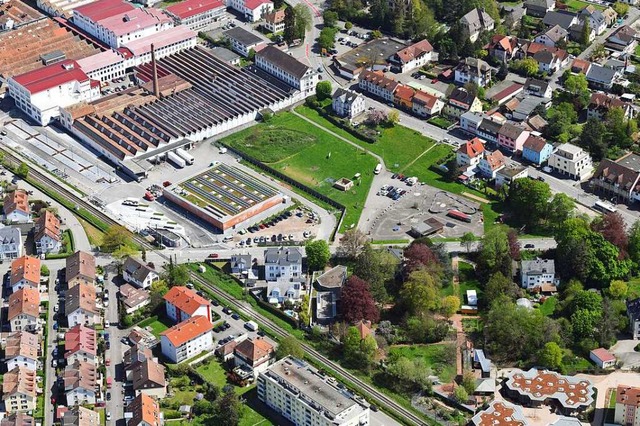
{"points": [[572, 161], [288, 69], [187, 339]]}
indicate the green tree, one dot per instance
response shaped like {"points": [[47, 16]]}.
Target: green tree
{"points": [[497, 286], [468, 381], [527, 67], [633, 249], [377, 267], [618, 289], [598, 52], [576, 83], [393, 117], [44, 270], [323, 90], [493, 253], [330, 18], [289, 33], [114, 238], [467, 239], [460, 394], [621, 8], [318, 254], [585, 34], [561, 208], [618, 128], [348, 25], [327, 38], [449, 305], [529, 200], [157, 291], [125, 251], [289, 346], [584, 323], [551, 356], [303, 20], [252, 55], [593, 139], [227, 409], [359, 352], [561, 118], [177, 275], [23, 170], [420, 292], [352, 243]]}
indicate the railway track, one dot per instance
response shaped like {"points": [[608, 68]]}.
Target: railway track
{"points": [[372, 393]]}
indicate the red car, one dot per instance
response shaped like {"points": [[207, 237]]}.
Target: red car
{"points": [[435, 80], [166, 183], [214, 256]]}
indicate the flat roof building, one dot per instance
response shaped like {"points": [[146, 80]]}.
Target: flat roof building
{"points": [[372, 55]]}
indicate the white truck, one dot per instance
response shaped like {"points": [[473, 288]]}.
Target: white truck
{"points": [[176, 160], [188, 158], [251, 325]]}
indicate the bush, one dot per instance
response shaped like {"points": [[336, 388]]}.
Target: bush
{"points": [[44, 271]]}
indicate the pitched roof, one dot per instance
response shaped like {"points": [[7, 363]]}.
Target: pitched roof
{"points": [[544, 4], [80, 375], [603, 355], [254, 4], [473, 65], [603, 101], [25, 301], [379, 79], [477, 19], [560, 17], [132, 296], [136, 19], [25, 268], [187, 330], [82, 264], [80, 416], [511, 131], [404, 93], [144, 409], [556, 33], [537, 123], [185, 299], [81, 296], [510, 91], [503, 42], [538, 266], [254, 349], [80, 338], [42, 79], [148, 375], [16, 200], [243, 36], [23, 344], [625, 33], [535, 143], [189, 8], [10, 235], [102, 9], [275, 17], [282, 256], [580, 66], [628, 395], [601, 74], [19, 380], [424, 98], [283, 61], [461, 95], [618, 173], [137, 269], [472, 148], [48, 224], [495, 160], [135, 355], [414, 51], [18, 419]]}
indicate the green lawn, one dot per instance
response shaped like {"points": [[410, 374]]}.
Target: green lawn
{"points": [[468, 281], [472, 325], [441, 122], [213, 372], [549, 306], [574, 364], [634, 288], [577, 5], [310, 156], [219, 279], [157, 327], [440, 357]]}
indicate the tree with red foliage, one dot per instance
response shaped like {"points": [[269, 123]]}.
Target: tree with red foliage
{"points": [[514, 244], [420, 256], [357, 301], [612, 227]]}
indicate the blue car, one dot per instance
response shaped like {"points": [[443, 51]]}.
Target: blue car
{"points": [[55, 325]]}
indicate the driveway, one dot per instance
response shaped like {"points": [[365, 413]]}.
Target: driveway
{"points": [[625, 353], [603, 384]]}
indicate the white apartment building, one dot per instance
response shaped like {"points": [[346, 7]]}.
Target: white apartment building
{"points": [[298, 392], [24, 309], [80, 305], [571, 160], [346, 103], [282, 263], [182, 303], [252, 10], [22, 350], [627, 411], [187, 339], [10, 243], [197, 14], [288, 69], [19, 390], [534, 273]]}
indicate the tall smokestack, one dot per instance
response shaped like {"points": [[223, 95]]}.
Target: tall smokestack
{"points": [[156, 89]]}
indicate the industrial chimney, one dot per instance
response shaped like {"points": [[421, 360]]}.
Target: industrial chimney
{"points": [[154, 66]]}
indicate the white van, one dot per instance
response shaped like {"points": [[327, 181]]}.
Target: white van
{"points": [[378, 169]]}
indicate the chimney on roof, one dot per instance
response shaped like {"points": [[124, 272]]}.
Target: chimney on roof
{"points": [[154, 66]]}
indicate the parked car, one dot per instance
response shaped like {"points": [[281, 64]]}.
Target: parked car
{"points": [[235, 316]]}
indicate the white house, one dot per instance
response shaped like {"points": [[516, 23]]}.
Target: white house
{"points": [[187, 339], [425, 104], [24, 310], [552, 36], [254, 354], [288, 69], [376, 83], [274, 21], [346, 103], [47, 233], [22, 350], [252, 10], [597, 20], [10, 243], [475, 22], [417, 55], [25, 272], [243, 41], [469, 154], [133, 298], [490, 163], [197, 14], [138, 273], [80, 383], [473, 70], [571, 160], [19, 390], [283, 262], [183, 303], [534, 273], [602, 358], [16, 207], [80, 305], [470, 121], [627, 411]]}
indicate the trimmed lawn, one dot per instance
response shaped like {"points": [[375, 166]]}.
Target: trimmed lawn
{"points": [[577, 5], [441, 122], [310, 156], [157, 327], [213, 372], [467, 281], [440, 357], [219, 279], [93, 234], [549, 306]]}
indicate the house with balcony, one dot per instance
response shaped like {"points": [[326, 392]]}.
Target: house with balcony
{"points": [[25, 272], [24, 310], [553, 36], [470, 153], [600, 104], [138, 273], [536, 150], [19, 390], [411, 57], [473, 70], [489, 130], [602, 78], [377, 84], [80, 268], [475, 22], [10, 243], [425, 104], [144, 411], [81, 307], [491, 163], [187, 339], [348, 104], [461, 101], [80, 344], [624, 39], [80, 383], [512, 137], [22, 350], [618, 180], [16, 207], [535, 273], [148, 377], [182, 303], [571, 161], [254, 355], [47, 233], [133, 298]]}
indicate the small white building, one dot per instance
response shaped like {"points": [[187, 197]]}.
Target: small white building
{"points": [[534, 273], [347, 104], [572, 161], [251, 10], [288, 69], [138, 273], [47, 233], [602, 358], [285, 262], [10, 243], [243, 41], [187, 339], [274, 21]]}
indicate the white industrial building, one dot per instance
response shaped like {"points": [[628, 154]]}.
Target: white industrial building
{"points": [[288, 69]]}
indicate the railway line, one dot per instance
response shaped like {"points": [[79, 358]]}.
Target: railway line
{"points": [[371, 393]]}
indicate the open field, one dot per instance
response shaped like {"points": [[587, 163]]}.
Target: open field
{"points": [[577, 5], [440, 357]]}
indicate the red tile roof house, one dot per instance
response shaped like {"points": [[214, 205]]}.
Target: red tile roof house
{"points": [[25, 272], [182, 303], [80, 344], [627, 405], [16, 207], [187, 339], [377, 84], [425, 104], [510, 92], [254, 354], [469, 154], [48, 236], [417, 55], [491, 163], [602, 358]]}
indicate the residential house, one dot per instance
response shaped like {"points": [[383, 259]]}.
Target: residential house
{"points": [[252, 10], [489, 130], [572, 161], [243, 41], [80, 268], [536, 150], [148, 378], [80, 416], [627, 411], [10, 243], [595, 17], [377, 84], [601, 103], [512, 15], [475, 22], [80, 344], [562, 18], [524, 107], [576, 32], [551, 59], [414, 56], [328, 286], [18, 419], [346, 103], [47, 233], [503, 47], [80, 305], [470, 121], [616, 64], [470, 153], [183, 303], [610, 16], [512, 137], [603, 78], [633, 312], [286, 68], [552, 36], [491, 163], [283, 262], [16, 207], [403, 96], [534, 273], [536, 124], [187, 339], [25, 272], [508, 93], [624, 39], [144, 411], [19, 390], [22, 350], [619, 179], [602, 358], [24, 310], [136, 272], [539, 8], [274, 21], [474, 70], [461, 101], [580, 66], [241, 264], [133, 356], [254, 354], [425, 104], [133, 298], [538, 88], [80, 383]]}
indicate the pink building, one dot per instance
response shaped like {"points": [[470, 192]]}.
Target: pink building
{"points": [[512, 137]]}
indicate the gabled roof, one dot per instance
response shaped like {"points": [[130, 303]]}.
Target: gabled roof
{"points": [[472, 148], [379, 79], [148, 375], [132, 20], [243, 36], [81, 296], [16, 200], [425, 99], [80, 416], [135, 355], [187, 330], [508, 92], [81, 375], [81, 264], [22, 343], [560, 17], [282, 256], [603, 355], [48, 224], [628, 395], [601, 74], [503, 42], [556, 33], [537, 267], [283, 61], [132, 296], [620, 173], [80, 338], [404, 93], [137, 269], [185, 299], [254, 4], [511, 131], [145, 410], [461, 95], [534, 143], [537, 123], [414, 51], [254, 349], [25, 268], [604, 102], [25, 301], [473, 66], [102, 9], [189, 8], [346, 96], [624, 34], [580, 66], [51, 76], [495, 160], [542, 4], [477, 20], [275, 17], [20, 380], [18, 419]]}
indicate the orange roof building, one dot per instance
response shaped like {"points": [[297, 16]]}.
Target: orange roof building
{"points": [[403, 96], [183, 303], [417, 55], [187, 339], [24, 309], [25, 272], [145, 411], [16, 207], [254, 354], [627, 411], [48, 236], [500, 413]]}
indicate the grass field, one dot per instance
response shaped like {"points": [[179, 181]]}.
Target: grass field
{"points": [[549, 306], [220, 280], [577, 5], [156, 325], [313, 157], [440, 357], [468, 281], [213, 372], [93, 234]]}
